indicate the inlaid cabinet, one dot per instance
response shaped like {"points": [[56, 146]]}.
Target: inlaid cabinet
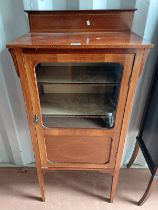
{"points": [[78, 72]]}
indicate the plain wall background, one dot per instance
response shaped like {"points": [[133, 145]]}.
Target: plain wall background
{"points": [[145, 24], [15, 142]]}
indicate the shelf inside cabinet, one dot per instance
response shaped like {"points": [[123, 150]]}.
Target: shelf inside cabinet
{"points": [[69, 73], [73, 122], [80, 104]]}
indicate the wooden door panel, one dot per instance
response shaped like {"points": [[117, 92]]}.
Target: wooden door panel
{"points": [[78, 149], [126, 60]]}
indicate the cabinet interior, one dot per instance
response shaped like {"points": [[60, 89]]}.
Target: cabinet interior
{"points": [[79, 95]]}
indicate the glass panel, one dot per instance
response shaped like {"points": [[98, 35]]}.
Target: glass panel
{"points": [[81, 95]]}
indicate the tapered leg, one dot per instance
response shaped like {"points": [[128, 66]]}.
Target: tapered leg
{"points": [[148, 191], [134, 155], [41, 183], [114, 185]]}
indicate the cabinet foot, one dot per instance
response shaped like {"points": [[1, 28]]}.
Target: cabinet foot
{"points": [[113, 186], [41, 184], [134, 155]]}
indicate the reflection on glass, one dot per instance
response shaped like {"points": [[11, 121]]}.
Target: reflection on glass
{"points": [[79, 94]]}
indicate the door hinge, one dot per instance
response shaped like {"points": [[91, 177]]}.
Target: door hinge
{"points": [[35, 119]]}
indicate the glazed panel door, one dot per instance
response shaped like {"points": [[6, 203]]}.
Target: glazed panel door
{"points": [[78, 100]]}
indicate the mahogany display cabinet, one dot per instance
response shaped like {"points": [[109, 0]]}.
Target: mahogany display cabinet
{"points": [[78, 71]]}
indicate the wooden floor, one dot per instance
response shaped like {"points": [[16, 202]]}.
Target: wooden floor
{"points": [[73, 190]]}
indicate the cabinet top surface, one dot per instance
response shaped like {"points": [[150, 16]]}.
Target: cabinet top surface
{"points": [[79, 40]]}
